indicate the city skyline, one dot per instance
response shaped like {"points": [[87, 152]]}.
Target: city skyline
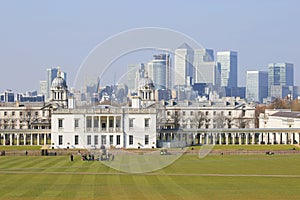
{"points": [[37, 36]]}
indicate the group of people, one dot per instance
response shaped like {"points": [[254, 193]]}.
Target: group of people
{"points": [[105, 156]]}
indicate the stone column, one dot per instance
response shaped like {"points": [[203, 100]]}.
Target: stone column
{"points": [[253, 138], [200, 138], [31, 139], [226, 138], [11, 139], [297, 137], [45, 138], [214, 138], [38, 139], [240, 138], [220, 138], [206, 138], [18, 135], [107, 124], [233, 138], [246, 143], [115, 124]]}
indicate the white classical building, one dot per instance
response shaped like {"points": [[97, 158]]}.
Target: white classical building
{"points": [[107, 126], [280, 118]]}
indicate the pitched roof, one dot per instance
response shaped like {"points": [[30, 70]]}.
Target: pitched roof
{"points": [[287, 114]]}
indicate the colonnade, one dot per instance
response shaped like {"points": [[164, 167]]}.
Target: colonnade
{"points": [[231, 138], [10, 139]]}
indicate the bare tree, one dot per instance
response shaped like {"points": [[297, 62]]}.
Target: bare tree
{"points": [[174, 119], [161, 118], [220, 121], [242, 122], [198, 119], [29, 117]]}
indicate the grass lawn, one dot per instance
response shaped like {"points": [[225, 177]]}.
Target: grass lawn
{"points": [[252, 147], [20, 147], [213, 177]]}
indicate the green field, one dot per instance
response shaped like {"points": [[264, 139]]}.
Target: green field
{"points": [[213, 177]]}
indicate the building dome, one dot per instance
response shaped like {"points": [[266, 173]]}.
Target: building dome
{"points": [[146, 83], [59, 82]]}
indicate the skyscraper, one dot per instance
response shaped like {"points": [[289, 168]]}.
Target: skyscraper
{"points": [[183, 65], [256, 85], [280, 74], [228, 61], [159, 71], [134, 73], [205, 69]]}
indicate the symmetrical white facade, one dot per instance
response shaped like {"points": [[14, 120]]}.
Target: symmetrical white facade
{"points": [[108, 127]]}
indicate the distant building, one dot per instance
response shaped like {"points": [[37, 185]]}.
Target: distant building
{"points": [[7, 96], [280, 74], [135, 72], [256, 85], [30, 97], [159, 71], [229, 67], [183, 65], [51, 75]]}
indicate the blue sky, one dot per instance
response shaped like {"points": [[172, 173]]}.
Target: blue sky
{"points": [[36, 35]]}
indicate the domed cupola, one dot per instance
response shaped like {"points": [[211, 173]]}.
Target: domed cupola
{"points": [[59, 91], [146, 91]]}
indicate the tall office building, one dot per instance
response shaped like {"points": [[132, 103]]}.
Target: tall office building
{"points": [[256, 85], [183, 65], [43, 88], [205, 69], [159, 71], [280, 75], [208, 72], [228, 61], [134, 73]]}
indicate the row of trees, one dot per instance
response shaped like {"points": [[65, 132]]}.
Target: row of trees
{"points": [[199, 120]]}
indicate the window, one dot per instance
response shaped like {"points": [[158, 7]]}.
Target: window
{"points": [[36, 113], [206, 113], [111, 139], [147, 123], [76, 142], [13, 113], [191, 113], [168, 113], [146, 139], [96, 122], [229, 113], [103, 139], [222, 113], [95, 139], [118, 122], [214, 113], [76, 123], [5, 113], [118, 139], [89, 122], [60, 140], [130, 123], [183, 113], [21, 113], [60, 123], [130, 139], [111, 123], [89, 140]]}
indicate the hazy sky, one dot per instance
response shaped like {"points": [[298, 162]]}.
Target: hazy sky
{"points": [[36, 35]]}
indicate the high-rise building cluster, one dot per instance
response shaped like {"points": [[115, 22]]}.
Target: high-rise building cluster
{"points": [[277, 82]]}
